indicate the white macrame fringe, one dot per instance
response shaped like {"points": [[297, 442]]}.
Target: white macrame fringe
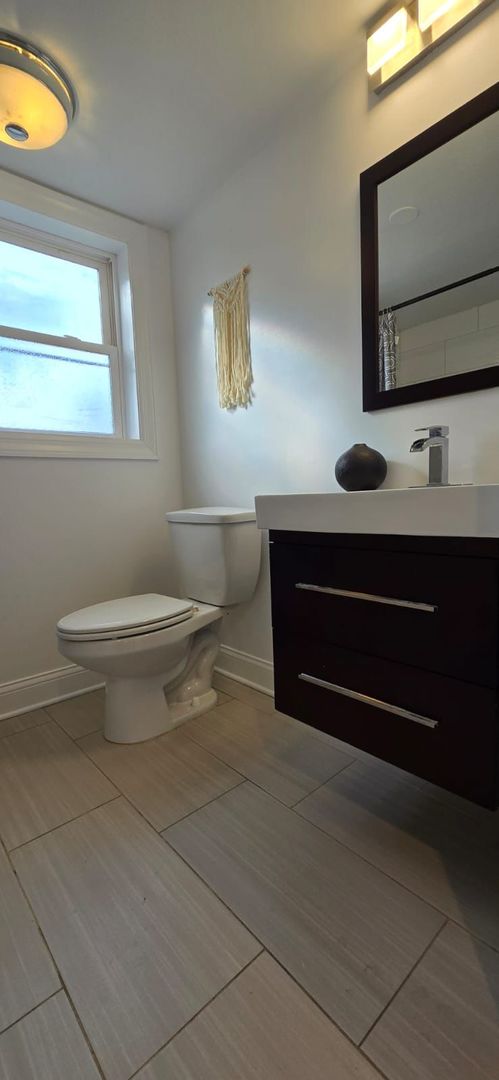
{"points": [[232, 341]]}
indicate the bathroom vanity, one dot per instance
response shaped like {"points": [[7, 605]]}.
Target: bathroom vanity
{"points": [[386, 625]]}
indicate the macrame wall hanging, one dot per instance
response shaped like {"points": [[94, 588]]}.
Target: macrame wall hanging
{"points": [[232, 341]]}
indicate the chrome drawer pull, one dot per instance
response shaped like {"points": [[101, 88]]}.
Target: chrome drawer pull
{"points": [[366, 700], [414, 604]]}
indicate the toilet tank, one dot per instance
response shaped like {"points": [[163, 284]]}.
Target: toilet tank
{"points": [[217, 553]]}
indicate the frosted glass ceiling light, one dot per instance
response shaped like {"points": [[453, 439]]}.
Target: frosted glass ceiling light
{"points": [[431, 10], [37, 101], [386, 41]]}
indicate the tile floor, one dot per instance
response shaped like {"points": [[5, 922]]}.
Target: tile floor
{"points": [[242, 899]]}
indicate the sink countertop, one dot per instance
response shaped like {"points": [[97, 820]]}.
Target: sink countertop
{"points": [[468, 510]]}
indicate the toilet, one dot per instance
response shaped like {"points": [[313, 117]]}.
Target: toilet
{"points": [[156, 652]]}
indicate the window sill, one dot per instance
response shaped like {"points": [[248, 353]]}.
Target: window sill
{"points": [[32, 445]]}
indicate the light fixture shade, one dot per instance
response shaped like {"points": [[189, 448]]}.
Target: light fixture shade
{"points": [[37, 102], [386, 41], [431, 10], [409, 33]]}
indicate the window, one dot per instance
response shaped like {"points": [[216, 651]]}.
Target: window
{"points": [[70, 327], [59, 369]]}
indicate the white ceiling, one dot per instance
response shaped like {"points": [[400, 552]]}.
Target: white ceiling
{"points": [[174, 93]]}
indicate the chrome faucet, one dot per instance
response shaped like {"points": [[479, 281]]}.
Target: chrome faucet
{"points": [[438, 445]]}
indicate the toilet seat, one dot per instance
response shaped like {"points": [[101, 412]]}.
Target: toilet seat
{"points": [[127, 617]]}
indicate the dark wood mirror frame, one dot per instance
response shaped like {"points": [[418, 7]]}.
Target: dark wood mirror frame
{"points": [[456, 123]]}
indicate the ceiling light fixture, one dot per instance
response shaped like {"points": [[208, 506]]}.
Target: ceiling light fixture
{"points": [[37, 101], [403, 215], [407, 33]]}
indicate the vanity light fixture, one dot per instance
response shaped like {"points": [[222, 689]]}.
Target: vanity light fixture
{"points": [[405, 34], [37, 101], [431, 10], [386, 41]]}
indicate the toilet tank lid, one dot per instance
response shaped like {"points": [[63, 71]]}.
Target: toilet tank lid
{"points": [[212, 515]]}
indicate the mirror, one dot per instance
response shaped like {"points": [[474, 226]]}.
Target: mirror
{"points": [[430, 261]]}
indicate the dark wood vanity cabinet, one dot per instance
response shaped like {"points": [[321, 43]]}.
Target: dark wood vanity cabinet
{"points": [[390, 643]]}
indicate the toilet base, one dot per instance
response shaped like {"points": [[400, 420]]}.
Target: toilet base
{"points": [[136, 712], [136, 709], [186, 710], [142, 708]]}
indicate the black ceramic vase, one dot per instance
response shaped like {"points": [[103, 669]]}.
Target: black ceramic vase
{"points": [[360, 469]]}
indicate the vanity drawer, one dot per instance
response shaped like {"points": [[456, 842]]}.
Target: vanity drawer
{"points": [[437, 612], [438, 728]]}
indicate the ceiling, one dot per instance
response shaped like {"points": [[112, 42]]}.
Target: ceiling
{"points": [[174, 94]]}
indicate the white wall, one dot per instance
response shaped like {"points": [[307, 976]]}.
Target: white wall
{"points": [[465, 341], [74, 532], [293, 213]]}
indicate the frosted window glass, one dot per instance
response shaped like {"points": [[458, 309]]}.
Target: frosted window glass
{"points": [[46, 388], [42, 293]]}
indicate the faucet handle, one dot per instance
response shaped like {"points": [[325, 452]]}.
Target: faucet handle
{"points": [[435, 429]]}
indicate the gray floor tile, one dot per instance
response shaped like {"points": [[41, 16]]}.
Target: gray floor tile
{"points": [[263, 702], [345, 931], [27, 974], [444, 1024], [165, 778], [45, 780], [22, 722], [47, 1045], [441, 848], [222, 698], [268, 748], [80, 715], [140, 942], [261, 1026]]}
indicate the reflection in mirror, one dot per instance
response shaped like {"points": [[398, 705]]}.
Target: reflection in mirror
{"points": [[438, 245]]}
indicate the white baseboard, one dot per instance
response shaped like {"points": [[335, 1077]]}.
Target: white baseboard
{"points": [[35, 691], [24, 695], [244, 668]]}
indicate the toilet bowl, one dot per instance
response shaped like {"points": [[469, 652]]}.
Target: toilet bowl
{"points": [[157, 652]]}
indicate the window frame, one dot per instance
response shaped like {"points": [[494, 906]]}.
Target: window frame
{"points": [[110, 345], [115, 252]]}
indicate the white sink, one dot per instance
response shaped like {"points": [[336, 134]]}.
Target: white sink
{"points": [[446, 511]]}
